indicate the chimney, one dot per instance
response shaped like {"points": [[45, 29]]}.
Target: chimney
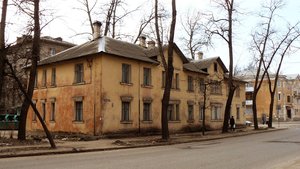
{"points": [[142, 40], [199, 56], [151, 44], [97, 29]]}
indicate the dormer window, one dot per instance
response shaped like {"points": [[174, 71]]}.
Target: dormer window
{"points": [[52, 51]]}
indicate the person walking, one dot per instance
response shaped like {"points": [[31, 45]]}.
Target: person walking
{"points": [[232, 123]]}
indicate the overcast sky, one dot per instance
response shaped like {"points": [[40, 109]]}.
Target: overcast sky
{"points": [[71, 21]]}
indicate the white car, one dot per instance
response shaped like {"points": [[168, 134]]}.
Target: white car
{"points": [[248, 123]]}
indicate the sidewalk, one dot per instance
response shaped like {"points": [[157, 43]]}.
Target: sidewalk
{"points": [[64, 147]]}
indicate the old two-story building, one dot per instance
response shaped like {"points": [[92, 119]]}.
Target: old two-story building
{"points": [[111, 86], [19, 55], [286, 103]]}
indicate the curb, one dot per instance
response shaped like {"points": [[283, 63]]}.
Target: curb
{"points": [[85, 150]]}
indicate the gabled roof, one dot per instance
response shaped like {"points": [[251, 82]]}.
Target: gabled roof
{"points": [[154, 52], [193, 68], [102, 45], [204, 64]]}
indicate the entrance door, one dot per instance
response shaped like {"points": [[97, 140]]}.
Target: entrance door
{"points": [[289, 113]]}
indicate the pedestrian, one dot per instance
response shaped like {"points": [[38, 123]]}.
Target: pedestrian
{"points": [[232, 123], [264, 119]]}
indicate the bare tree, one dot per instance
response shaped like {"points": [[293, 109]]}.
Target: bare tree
{"points": [[285, 45], [267, 43], [88, 10], [223, 27], [194, 38], [143, 24], [35, 52], [168, 66], [28, 99], [115, 17]]}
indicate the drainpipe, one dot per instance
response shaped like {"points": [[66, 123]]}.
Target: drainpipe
{"points": [[139, 93]]}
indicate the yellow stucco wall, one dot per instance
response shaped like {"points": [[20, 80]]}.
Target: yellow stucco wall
{"points": [[102, 91]]}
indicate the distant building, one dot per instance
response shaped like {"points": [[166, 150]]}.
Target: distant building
{"points": [[286, 102], [111, 86], [19, 55]]}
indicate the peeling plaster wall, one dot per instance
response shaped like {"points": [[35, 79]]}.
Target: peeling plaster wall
{"points": [[102, 92]]}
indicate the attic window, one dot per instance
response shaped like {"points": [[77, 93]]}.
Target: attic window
{"points": [[52, 51], [215, 67]]}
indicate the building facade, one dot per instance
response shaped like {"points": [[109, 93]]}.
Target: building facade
{"points": [[286, 100], [19, 56], [111, 86]]}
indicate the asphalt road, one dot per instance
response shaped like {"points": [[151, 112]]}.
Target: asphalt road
{"points": [[276, 150]]}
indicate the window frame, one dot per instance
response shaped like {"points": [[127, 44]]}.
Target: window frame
{"points": [[191, 116], [78, 114], [147, 111], [216, 88], [173, 112], [126, 73], [44, 78], [79, 73], [125, 111], [53, 110], [44, 110], [53, 77], [216, 112], [147, 79], [190, 83]]}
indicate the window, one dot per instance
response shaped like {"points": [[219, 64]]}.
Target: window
{"points": [[79, 73], [147, 112], [238, 116], [279, 95], [44, 78], [52, 51], [216, 111], [52, 117], [173, 112], [125, 111], [215, 87], [288, 98], [201, 111], [36, 80], [216, 67], [278, 83], [147, 76], [163, 77], [53, 77], [44, 110], [33, 113], [175, 81], [126, 71], [190, 83], [202, 85], [237, 91], [190, 112], [78, 111]]}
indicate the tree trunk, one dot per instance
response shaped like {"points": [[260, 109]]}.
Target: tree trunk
{"points": [[34, 59], [2, 45], [230, 78], [271, 110], [254, 110], [227, 110], [165, 103], [204, 108], [48, 134]]}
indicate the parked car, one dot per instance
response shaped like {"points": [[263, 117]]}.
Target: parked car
{"points": [[248, 123]]}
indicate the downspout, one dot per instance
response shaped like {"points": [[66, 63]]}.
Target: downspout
{"points": [[90, 64], [139, 93]]}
